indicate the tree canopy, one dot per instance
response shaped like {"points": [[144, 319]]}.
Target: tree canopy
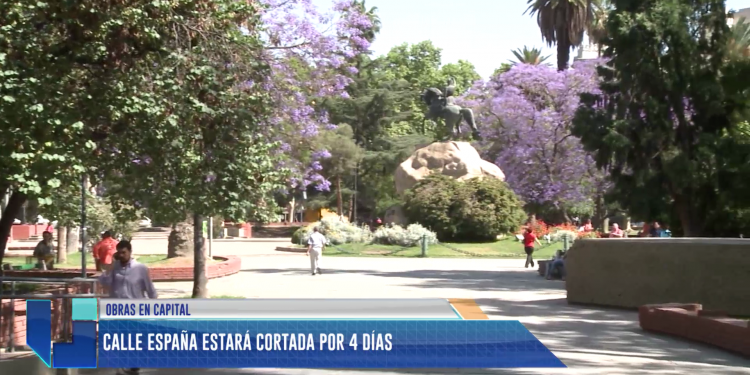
{"points": [[668, 97]]}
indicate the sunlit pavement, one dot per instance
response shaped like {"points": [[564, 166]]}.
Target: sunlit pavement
{"points": [[588, 340]]}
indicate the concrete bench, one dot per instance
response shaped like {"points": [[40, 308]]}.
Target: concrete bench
{"points": [[543, 267]]}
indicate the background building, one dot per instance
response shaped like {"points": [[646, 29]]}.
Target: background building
{"points": [[737, 15]]}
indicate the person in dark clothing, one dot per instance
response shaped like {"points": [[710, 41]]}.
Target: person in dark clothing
{"points": [[656, 230], [43, 251]]}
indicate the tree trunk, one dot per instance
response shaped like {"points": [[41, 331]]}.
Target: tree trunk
{"points": [[15, 203], [351, 209], [181, 240], [71, 237], [62, 244], [292, 206], [339, 202], [200, 281], [691, 225], [605, 228], [563, 51], [600, 212], [532, 219], [566, 217]]}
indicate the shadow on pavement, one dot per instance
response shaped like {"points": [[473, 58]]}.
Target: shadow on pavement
{"points": [[481, 280]]}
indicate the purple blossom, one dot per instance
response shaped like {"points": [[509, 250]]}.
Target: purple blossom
{"points": [[321, 154], [300, 33], [527, 113]]}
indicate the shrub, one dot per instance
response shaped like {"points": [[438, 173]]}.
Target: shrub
{"points": [[471, 210], [337, 232], [398, 235], [562, 234], [592, 234]]}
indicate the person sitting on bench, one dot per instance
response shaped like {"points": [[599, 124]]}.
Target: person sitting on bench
{"points": [[43, 252], [556, 266]]}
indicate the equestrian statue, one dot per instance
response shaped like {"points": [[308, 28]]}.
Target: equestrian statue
{"points": [[443, 106]]}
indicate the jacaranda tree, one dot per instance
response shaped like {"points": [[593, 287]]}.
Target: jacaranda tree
{"points": [[309, 53], [525, 117]]}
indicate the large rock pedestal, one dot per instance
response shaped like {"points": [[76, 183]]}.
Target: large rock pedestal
{"points": [[455, 159]]}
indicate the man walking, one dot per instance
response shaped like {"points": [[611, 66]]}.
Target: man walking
{"points": [[315, 246], [104, 251], [128, 279]]}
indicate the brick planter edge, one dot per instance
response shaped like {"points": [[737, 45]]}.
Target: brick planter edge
{"points": [[226, 265]]}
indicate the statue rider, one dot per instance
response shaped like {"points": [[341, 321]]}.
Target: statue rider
{"points": [[450, 89]]}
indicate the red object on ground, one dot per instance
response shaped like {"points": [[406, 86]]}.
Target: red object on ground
{"points": [[690, 321]]}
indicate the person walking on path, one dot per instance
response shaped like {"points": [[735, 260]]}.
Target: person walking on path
{"points": [[528, 245], [315, 246], [104, 251], [128, 279]]}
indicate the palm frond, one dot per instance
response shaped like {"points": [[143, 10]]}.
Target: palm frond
{"points": [[531, 56], [563, 21]]}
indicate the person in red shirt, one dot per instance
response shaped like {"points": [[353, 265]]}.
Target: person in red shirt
{"points": [[588, 227], [104, 251], [616, 232], [528, 245]]}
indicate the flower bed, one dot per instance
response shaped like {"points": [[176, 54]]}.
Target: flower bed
{"points": [[225, 266]]}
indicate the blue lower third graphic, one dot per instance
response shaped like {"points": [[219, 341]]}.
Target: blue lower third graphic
{"points": [[80, 352], [320, 344]]}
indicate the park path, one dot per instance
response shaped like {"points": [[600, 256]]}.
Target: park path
{"points": [[588, 340]]}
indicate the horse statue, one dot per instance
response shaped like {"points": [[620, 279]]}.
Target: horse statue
{"points": [[443, 106]]}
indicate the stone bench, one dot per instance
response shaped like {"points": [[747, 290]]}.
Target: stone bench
{"points": [[543, 267]]}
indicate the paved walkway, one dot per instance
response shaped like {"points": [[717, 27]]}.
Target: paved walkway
{"points": [[588, 340]]}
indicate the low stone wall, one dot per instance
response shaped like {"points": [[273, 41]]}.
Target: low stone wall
{"points": [[226, 265], [50, 274], [633, 272], [693, 323]]}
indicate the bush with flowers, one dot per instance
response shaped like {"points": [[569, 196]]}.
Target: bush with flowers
{"points": [[336, 231], [558, 233], [538, 227], [398, 235]]}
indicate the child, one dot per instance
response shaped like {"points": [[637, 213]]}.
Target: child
{"points": [[528, 245]]}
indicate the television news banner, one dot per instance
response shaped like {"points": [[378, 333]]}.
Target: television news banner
{"points": [[283, 333]]}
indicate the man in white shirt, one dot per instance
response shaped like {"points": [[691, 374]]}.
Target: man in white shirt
{"points": [[315, 246]]}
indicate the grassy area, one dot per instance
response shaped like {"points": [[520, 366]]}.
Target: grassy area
{"points": [[74, 260], [507, 248]]}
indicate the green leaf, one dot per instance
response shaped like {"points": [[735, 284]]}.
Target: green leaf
{"points": [[54, 183]]}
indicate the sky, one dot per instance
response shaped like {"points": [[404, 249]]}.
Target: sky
{"points": [[483, 32]]}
